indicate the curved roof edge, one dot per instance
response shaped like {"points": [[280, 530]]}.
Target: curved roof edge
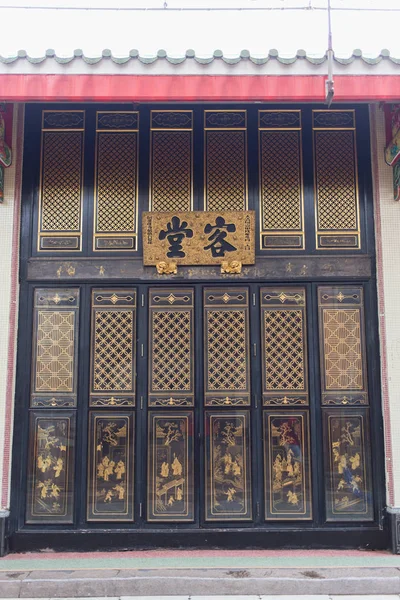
{"points": [[244, 55]]}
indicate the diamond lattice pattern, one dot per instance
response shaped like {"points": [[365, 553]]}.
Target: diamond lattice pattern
{"points": [[171, 357], [280, 180], [113, 350], [171, 170], [284, 354], [55, 351], [116, 182], [342, 348], [61, 187], [336, 186], [226, 170], [226, 337]]}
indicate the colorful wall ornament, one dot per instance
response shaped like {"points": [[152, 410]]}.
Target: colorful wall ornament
{"points": [[5, 151], [392, 150]]}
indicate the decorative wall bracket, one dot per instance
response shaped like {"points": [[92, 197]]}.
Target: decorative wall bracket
{"points": [[392, 150], [166, 268], [234, 266], [5, 151]]}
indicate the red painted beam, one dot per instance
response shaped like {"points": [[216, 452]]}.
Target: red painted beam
{"points": [[143, 88]]}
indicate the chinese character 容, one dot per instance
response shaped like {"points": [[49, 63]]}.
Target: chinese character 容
{"points": [[218, 244], [175, 234]]}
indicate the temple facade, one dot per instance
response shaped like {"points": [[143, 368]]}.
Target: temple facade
{"points": [[200, 281]]}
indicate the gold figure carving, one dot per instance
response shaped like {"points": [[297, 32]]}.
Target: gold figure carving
{"points": [[348, 470], [235, 266], [111, 466], [228, 468], [50, 465], [288, 485], [166, 268], [169, 468]]}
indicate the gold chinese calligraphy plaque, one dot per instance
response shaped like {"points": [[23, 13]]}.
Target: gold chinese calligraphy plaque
{"points": [[199, 238]]}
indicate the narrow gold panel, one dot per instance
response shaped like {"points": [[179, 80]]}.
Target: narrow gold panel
{"points": [[284, 346], [113, 347], [50, 494], [336, 185], [226, 170], [342, 339], [55, 344], [226, 347], [228, 476], [171, 163], [116, 183], [111, 467], [347, 465], [61, 185], [171, 348], [281, 184], [287, 465], [170, 490]]}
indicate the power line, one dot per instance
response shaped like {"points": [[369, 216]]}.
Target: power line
{"points": [[202, 9]]}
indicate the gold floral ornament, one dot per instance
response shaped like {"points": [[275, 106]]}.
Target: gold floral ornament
{"points": [[5, 157], [166, 268], [235, 266]]}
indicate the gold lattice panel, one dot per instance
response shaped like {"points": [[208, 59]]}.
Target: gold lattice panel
{"points": [[54, 347], [343, 360], [336, 186], [116, 182], [55, 351], [171, 347], [284, 346], [227, 346], [171, 162], [113, 356], [281, 180], [61, 192], [113, 350], [342, 349], [281, 193], [226, 170]]}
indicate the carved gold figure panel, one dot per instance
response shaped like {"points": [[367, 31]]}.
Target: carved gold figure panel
{"points": [[171, 347], [342, 336], [113, 356], [51, 467], [198, 238], [170, 467], [287, 465], [284, 346], [226, 346], [111, 467], [55, 343], [228, 475], [347, 465]]}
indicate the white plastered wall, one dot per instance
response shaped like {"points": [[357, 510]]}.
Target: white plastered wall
{"points": [[387, 232], [9, 226]]}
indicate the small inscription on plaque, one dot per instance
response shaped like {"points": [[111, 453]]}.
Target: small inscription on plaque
{"points": [[198, 238]]}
